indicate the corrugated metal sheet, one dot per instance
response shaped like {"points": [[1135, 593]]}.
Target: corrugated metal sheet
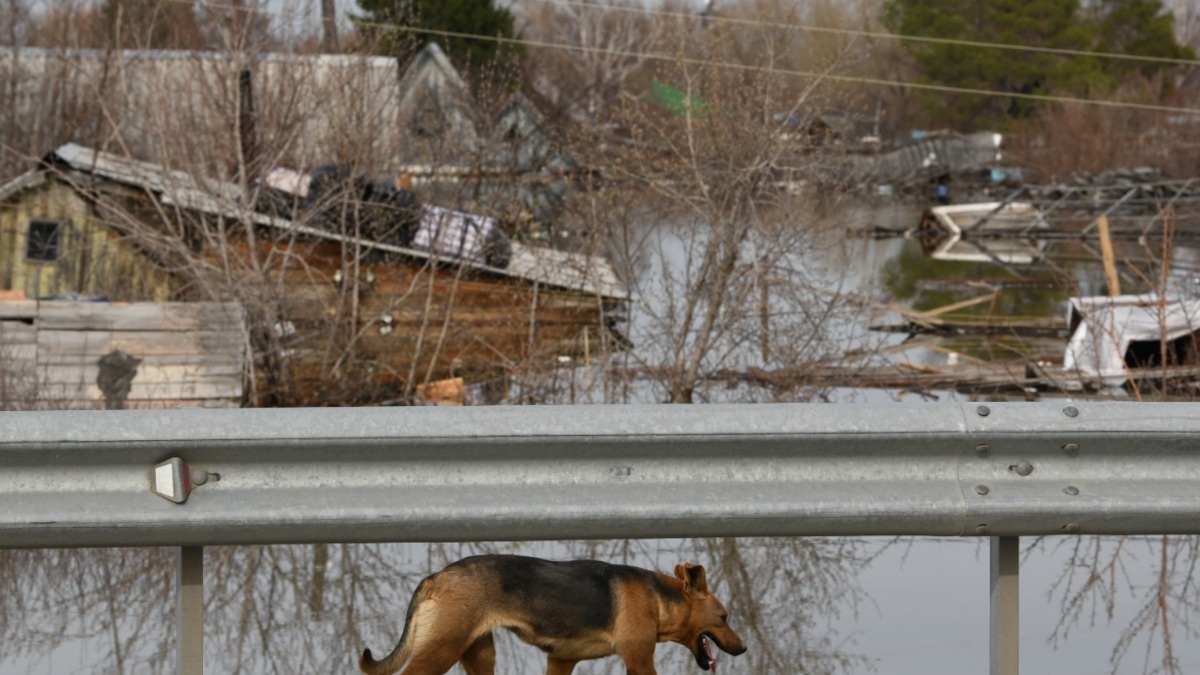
{"points": [[573, 271], [195, 92], [593, 471]]}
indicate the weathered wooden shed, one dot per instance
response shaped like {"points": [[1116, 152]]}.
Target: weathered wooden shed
{"points": [[333, 317], [51, 244], [116, 355]]}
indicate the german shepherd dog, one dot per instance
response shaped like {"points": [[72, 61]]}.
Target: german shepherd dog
{"points": [[574, 611]]}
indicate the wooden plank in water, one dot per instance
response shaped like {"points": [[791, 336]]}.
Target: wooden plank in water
{"points": [[1108, 257]]}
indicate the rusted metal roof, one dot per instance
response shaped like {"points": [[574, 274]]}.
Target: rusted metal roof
{"points": [[561, 269]]}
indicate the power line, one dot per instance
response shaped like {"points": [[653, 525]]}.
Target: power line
{"points": [[670, 58], [715, 18]]}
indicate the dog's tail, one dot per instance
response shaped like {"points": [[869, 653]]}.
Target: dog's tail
{"points": [[394, 660]]}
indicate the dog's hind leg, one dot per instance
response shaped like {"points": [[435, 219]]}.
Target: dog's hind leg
{"points": [[435, 663], [559, 666], [480, 657]]}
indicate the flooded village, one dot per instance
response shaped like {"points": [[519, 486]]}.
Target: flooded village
{"points": [[291, 204], [430, 241]]}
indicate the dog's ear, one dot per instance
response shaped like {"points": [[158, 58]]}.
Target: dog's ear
{"points": [[693, 578]]}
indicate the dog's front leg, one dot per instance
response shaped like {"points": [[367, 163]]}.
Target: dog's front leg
{"points": [[559, 666], [639, 659]]}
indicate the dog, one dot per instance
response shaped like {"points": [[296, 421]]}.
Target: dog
{"points": [[572, 610]]}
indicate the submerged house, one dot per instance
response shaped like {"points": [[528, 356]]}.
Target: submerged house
{"points": [[982, 232], [335, 314], [507, 163], [1110, 336]]}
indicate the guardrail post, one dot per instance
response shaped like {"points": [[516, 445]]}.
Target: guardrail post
{"points": [[1005, 648], [189, 584]]}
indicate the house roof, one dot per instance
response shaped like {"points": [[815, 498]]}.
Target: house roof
{"points": [[561, 269], [1103, 328], [28, 180], [432, 81], [955, 232], [391, 101]]}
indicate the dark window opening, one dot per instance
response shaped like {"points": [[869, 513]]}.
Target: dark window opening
{"points": [[429, 122], [44, 238]]}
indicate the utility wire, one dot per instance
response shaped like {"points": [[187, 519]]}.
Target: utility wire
{"points": [[757, 23], [669, 58]]}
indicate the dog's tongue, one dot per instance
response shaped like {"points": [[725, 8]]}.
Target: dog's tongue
{"points": [[712, 660]]}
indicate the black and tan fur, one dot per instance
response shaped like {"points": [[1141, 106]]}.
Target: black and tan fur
{"points": [[573, 611]]}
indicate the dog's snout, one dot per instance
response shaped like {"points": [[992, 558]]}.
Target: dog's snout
{"points": [[732, 644]]}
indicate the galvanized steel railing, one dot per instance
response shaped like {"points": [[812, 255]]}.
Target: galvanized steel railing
{"points": [[193, 478], [75, 478]]}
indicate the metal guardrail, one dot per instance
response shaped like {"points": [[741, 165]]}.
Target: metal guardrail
{"points": [[84, 478], [192, 478]]}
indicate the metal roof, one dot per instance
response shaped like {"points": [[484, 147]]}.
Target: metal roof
{"points": [[29, 179], [193, 55], [561, 269]]}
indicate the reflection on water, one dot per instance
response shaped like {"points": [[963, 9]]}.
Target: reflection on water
{"points": [[804, 605], [311, 609]]}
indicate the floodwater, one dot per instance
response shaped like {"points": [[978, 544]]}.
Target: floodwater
{"points": [[803, 605]]}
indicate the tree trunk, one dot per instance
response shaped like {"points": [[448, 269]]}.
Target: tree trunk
{"points": [[329, 40]]}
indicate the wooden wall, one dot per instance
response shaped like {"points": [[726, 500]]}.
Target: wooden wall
{"points": [[409, 322], [191, 354], [319, 336]]}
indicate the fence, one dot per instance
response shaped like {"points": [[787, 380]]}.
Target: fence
{"points": [[192, 478]]}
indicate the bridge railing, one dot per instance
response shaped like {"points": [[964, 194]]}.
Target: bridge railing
{"points": [[195, 478]]}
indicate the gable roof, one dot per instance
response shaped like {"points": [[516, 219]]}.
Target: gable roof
{"points": [[431, 80], [26, 181], [560, 269]]}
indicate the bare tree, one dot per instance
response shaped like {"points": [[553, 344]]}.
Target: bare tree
{"points": [[610, 43], [282, 609], [710, 206], [329, 35]]}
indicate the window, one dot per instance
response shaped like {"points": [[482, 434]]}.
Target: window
{"points": [[44, 238], [428, 122]]}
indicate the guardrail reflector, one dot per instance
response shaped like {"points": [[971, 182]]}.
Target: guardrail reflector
{"points": [[171, 480]]}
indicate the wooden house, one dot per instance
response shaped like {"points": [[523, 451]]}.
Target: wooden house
{"points": [[507, 163], [417, 117], [51, 244], [436, 110], [333, 316]]}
